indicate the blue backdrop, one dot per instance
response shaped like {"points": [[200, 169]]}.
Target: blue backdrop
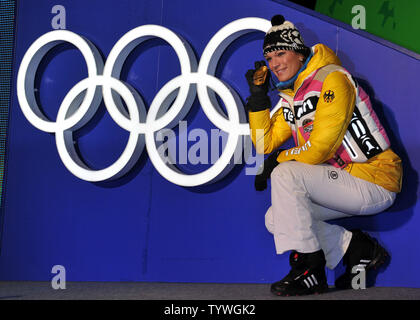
{"points": [[143, 227]]}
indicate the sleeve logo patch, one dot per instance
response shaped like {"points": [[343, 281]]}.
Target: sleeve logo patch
{"points": [[329, 96], [308, 125]]}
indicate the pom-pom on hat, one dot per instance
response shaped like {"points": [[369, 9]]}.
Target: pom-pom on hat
{"points": [[284, 36]]}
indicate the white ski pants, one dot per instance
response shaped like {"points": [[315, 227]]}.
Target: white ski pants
{"points": [[304, 196]]}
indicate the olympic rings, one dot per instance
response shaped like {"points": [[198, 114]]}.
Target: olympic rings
{"points": [[166, 109]]}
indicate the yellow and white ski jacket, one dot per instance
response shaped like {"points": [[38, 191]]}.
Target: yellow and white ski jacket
{"points": [[331, 121]]}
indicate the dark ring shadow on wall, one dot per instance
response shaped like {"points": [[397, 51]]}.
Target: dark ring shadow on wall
{"points": [[92, 124], [43, 65]]}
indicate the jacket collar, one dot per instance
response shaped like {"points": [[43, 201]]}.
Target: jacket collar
{"points": [[322, 56]]}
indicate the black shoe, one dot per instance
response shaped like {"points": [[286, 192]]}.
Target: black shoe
{"points": [[364, 252], [307, 275], [296, 262]]}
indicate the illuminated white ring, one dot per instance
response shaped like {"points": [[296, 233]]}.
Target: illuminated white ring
{"points": [[118, 56], [64, 138], [210, 58], [28, 69], [218, 169]]}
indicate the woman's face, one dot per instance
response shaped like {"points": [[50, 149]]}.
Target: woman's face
{"points": [[284, 63]]}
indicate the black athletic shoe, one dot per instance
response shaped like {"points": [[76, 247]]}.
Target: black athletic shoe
{"points": [[364, 252], [296, 262], [307, 275]]}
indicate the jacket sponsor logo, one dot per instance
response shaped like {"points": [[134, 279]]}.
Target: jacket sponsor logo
{"points": [[298, 150], [361, 134], [308, 106], [288, 115]]}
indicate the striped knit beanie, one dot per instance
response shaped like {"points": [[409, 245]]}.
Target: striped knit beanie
{"points": [[284, 36]]}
